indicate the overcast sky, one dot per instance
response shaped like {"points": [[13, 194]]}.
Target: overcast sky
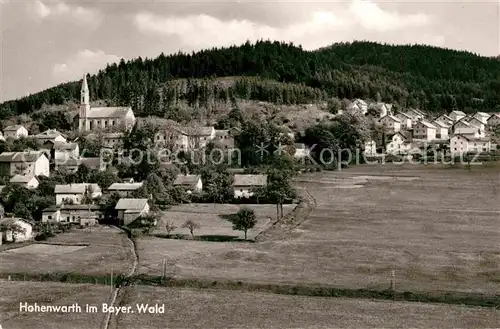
{"points": [[44, 43]]}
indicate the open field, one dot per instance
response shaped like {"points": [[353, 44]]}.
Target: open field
{"points": [[190, 308], [50, 293], [208, 216], [107, 248], [437, 228]]}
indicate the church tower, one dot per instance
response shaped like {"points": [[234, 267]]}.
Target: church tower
{"points": [[84, 105]]}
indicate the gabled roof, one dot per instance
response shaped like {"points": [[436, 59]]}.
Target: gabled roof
{"points": [[466, 131], [14, 220], [197, 131], [464, 122], [494, 115], [79, 188], [50, 133], [472, 139], [457, 113], [483, 114], [300, 146], [415, 111], [131, 204], [440, 124], [187, 180], [28, 156], [72, 207], [403, 114], [223, 132], [250, 180], [108, 112], [125, 186], [13, 128], [393, 118], [444, 116], [427, 124], [62, 146], [21, 179], [405, 137]]}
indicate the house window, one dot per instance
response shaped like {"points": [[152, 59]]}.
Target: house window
{"points": [[68, 218], [50, 217]]}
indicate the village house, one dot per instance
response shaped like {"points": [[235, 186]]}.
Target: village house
{"points": [[63, 150], [473, 122], [285, 130], [51, 135], [415, 115], [29, 182], [244, 184], [482, 117], [424, 130], [460, 144], [391, 123], [406, 121], [301, 151], [172, 138], [91, 118], [15, 132], [224, 139], [442, 129], [125, 190], [1, 137], [469, 132], [16, 230], [444, 119], [192, 183], [358, 105], [72, 164], [131, 209], [72, 213], [457, 115], [197, 137], [494, 120], [460, 124], [73, 193], [370, 148], [382, 109], [29, 163], [113, 140], [398, 144]]}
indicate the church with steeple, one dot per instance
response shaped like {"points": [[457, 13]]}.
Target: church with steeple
{"points": [[92, 118]]}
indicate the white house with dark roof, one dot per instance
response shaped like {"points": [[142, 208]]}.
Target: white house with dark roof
{"points": [[406, 120], [72, 213], [10, 234], [398, 144], [415, 115], [29, 163], [442, 129], [390, 123], [192, 183], [29, 182], [131, 209], [15, 132], [460, 144], [50, 135], [445, 119], [243, 184], [224, 138], [494, 120], [125, 190], [90, 118], [474, 122], [424, 130], [469, 132], [482, 117], [358, 105], [73, 193], [457, 115]]}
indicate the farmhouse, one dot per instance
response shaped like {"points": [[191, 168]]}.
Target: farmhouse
{"points": [[113, 140], [415, 115], [131, 209], [424, 130], [243, 184], [29, 163], [71, 213], [406, 120], [91, 118], [444, 119], [474, 122], [358, 105], [494, 120], [29, 182], [391, 123], [382, 109], [15, 132], [73, 193], [125, 190], [456, 115], [192, 183], [50, 135], [461, 144], [441, 129], [224, 139], [63, 150], [370, 148], [482, 117], [16, 230], [469, 132], [398, 144], [199, 137]]}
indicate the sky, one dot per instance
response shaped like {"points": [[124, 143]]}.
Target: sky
{"points": [[44, 43]]}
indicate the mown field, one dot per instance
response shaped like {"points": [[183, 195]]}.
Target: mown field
{"points": [[190, 308], [437, 228], [211, 219], [107, 248], [50, 293]]}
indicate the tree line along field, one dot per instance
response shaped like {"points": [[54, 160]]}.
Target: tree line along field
{"points": [[192, 308], [50, 293], [437, 228], [95, 253]]}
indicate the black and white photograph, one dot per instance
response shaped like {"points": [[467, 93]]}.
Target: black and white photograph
{"points": [[249, 164]]}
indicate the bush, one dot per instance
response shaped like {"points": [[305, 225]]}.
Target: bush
{"points": [[41, 237]]}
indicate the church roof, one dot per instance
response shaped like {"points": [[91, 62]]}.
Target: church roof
{"points": [[107, 112]]}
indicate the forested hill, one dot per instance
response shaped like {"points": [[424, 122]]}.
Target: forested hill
{"points": [[431, 78]]}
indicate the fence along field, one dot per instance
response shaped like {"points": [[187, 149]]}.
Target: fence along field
{"points": [[438, 232]]}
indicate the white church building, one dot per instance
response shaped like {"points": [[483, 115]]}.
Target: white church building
{"points": [[91, 118]]}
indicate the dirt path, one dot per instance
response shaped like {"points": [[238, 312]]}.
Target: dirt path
{"points": [[115, 300]]}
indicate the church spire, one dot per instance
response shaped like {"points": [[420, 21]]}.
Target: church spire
{"points": [[84, 98]]}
